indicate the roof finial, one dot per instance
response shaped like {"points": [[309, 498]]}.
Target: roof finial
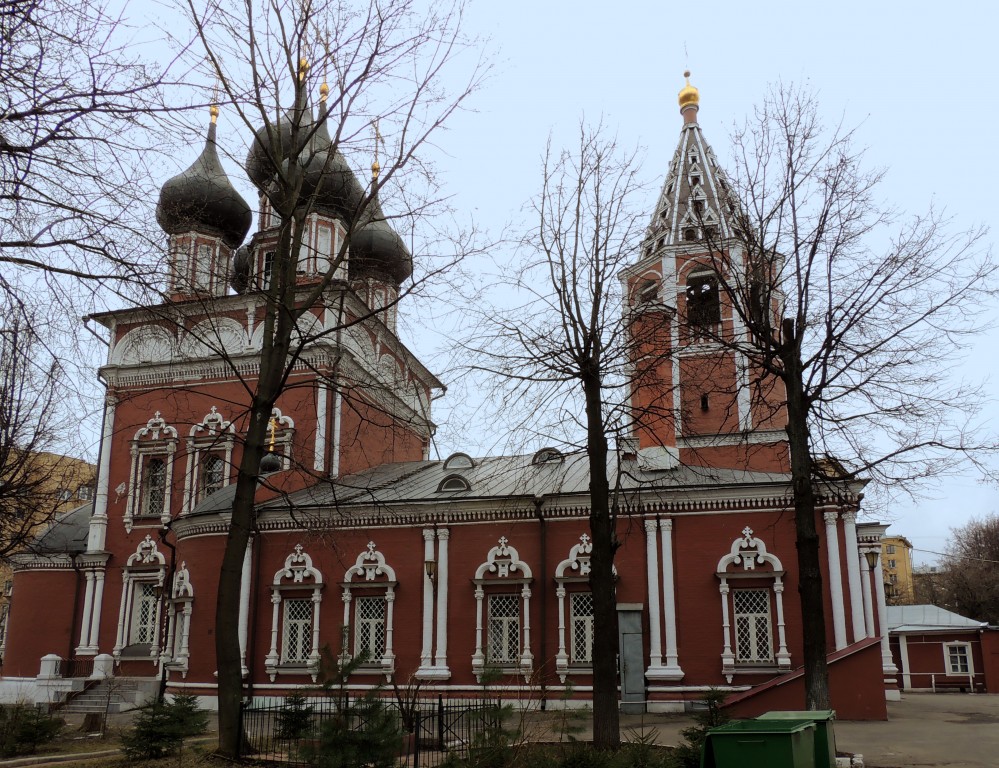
{"points": [[324, 92], [689, 99], [303, 67], [375, 167]]}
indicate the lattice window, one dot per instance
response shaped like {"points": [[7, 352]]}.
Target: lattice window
{"points": [[958, 659], [297, 640], [154, 487], [581, 607], [212, 474], [504, 629], [369, 628], [752, 625], [144, 614]]}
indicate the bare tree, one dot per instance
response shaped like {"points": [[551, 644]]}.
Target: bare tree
{"points": [[856, 314], [565, 353], [76, 102], [382, 63], [968, 582]]}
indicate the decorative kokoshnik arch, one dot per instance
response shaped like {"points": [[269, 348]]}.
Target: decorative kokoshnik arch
{"points": [[748, 636], [507, 626], [372, 612], [299, 621]]}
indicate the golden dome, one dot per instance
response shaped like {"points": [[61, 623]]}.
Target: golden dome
{"points": [[689, 95]]}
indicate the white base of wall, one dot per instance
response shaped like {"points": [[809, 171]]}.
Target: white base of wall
{"points": [[654, 707], [893, 694], [18, 689]]}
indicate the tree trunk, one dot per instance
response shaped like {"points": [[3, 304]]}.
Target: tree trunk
{"points": [[813, 617], [606, 726]]}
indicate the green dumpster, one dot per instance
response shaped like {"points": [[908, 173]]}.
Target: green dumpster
{"points": [[760, 744], [825, 737]]}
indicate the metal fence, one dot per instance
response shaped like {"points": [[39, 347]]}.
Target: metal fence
{"points": [[279, 732]]}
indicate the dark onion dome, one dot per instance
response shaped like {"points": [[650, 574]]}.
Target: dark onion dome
{"points": [[239, 275], [202, 199], [377, 251], [270, 462], [329, 184]]}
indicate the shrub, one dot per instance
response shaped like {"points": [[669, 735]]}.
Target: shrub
{"points": [[23, 727], [294, 718], [688, 753], [161, 727]]}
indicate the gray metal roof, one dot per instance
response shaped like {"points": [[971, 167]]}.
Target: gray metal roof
{"points": [[67, 533], [504, 477], [913, 618]]}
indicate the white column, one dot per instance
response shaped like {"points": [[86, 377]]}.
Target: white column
{"points": [[272, 655], [88, 604], [655, 620], [865, 572], [440, 657], [244, 604], [562, 658], [335, 458], [389, 656], [97, 535], [95, 619], [728, 658], [526, 657], [835, 580], [783, 656], [478, 658], [673, 670], [317, 600], [322, 404], [903, 652], [853, 576], [428, 601], [879, 589]]}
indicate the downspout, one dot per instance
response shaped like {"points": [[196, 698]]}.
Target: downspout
{"points": [[543, 598], [165, 597]]}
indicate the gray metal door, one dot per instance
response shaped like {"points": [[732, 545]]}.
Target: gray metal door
{"points": [[632, 661]]}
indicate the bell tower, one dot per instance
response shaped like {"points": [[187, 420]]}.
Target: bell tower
{"points": [[693, 396]]}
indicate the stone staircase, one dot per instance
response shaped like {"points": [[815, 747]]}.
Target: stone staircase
{"points": [[113, 694]]}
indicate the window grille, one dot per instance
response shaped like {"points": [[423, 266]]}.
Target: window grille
{"points": [[369, 628], [211, 474], [297, 643], [752, 625], [155, 488], [957, 660], [144, 618], [504, 629], [581, 606]]}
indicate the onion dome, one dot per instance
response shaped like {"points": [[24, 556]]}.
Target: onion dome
{"points": [[270, 462], [239, 275], [202, 199], [377, 251], [689, 95]]}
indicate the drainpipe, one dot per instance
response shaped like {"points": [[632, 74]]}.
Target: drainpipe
{"points": [[543, 598]]}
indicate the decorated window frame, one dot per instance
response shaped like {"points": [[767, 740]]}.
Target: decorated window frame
{"points": [[501, 574], [154, 445], [213, 438], [177, 650], [296, 581], [749, 552], [952, 661], [143, 576], [572, 578], [375, 579]]}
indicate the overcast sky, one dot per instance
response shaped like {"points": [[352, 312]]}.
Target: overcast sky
{"points": [[919, 78]]}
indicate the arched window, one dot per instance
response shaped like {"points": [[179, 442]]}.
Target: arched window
{"points": [[296, 594], [453, 484], [153, 449], [139, 611], [752, 599], [502, 613], [703, 305], [368, 601], [209, 458]]}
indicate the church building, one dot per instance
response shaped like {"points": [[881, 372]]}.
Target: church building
{"points": [[451, 572]]}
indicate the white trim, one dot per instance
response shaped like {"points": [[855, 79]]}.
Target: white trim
{"points": [[97, 533], [501, 567], [297, 570], [835, 579], [441, 579], [853, 576], [322, 404], [948, 669], [370, 564]]}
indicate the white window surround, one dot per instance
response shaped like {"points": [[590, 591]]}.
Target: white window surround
{"points": [[214, 435], [155, 440], [501, 569], [295, 576], [178, 646], [145, 567], [958, 652], [749, 552], [574, 569], [378, 581]]}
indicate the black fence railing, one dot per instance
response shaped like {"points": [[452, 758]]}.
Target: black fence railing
{"points": [[282, 732]]}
